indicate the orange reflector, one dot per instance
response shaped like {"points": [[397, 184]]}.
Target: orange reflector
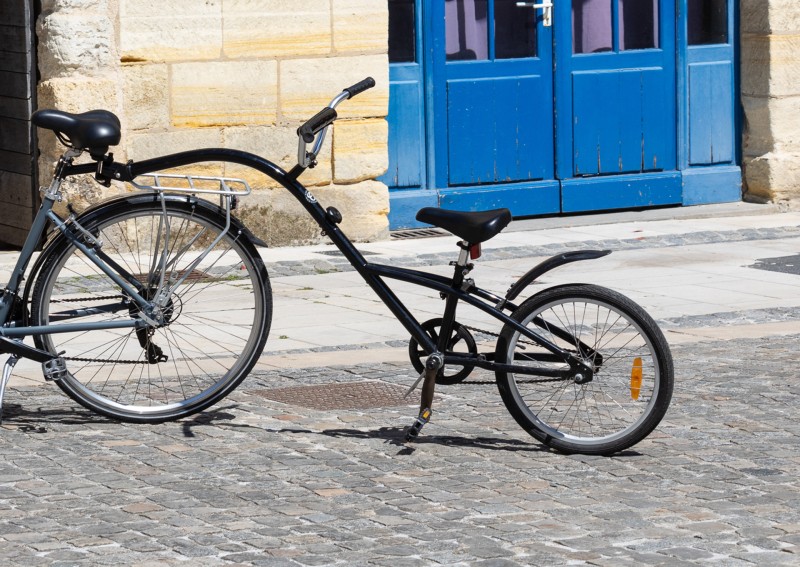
{"points": [[636, 378]]}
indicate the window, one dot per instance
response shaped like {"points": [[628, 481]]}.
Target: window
{"points": [[591, 26], [708, 22], [402, 32], [638, 24]]}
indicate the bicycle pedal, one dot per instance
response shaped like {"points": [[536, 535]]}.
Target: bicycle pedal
{"points": [[413, 432], [54, 369]]}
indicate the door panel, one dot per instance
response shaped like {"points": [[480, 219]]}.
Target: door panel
{"points": [[492, 133], [618, 126], [406, 163], [710, 139]]}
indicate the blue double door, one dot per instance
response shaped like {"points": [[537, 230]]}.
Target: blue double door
{"points": [[561, 107]]}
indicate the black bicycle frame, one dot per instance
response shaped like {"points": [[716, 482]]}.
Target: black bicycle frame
{"points": [[372, 273]]}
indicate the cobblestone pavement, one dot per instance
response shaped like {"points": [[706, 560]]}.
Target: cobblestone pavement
{"points": [[261, 482]]}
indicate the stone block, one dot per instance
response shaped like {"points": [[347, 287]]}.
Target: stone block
{"points": [[224, 93], [772, 124], [364, 207], [360, 150], [70, 41], [307, 85], [145, 97], [771, 65], [280, 220], [153, 30], [360, 26], [278, 145], [773, 176], [769, 16], [148, 145], [276, 28], [276, 217]]}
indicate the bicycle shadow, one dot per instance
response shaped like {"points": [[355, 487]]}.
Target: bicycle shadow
{"points": [[391, 435], [396, 436], [31, 420]]}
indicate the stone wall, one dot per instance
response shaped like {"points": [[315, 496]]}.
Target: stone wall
{"points": [[770, 47], [238, 74]]}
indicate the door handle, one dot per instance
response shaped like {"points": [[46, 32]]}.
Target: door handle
{"points": [[547, 11]]}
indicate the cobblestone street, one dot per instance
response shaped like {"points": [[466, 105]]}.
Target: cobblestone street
{"points": [[261, 482]]}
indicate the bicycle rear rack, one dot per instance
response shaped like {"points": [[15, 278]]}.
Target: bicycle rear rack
{"points": [[228, 188]]}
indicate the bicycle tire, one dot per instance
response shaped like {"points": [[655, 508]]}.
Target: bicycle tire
{"points": [[218, 318], [632, 385]]}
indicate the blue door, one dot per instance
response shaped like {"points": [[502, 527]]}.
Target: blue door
{"points": [[471, 108], [616, 104], [562, 106]]}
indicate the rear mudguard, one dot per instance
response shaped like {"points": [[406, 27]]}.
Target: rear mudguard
{"points": [[549, 264], [123, 202]]}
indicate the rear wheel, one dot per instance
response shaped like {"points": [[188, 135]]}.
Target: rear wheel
{"points": [[214, 326], [629, 392]]}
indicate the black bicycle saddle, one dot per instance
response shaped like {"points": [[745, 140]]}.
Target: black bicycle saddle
{"points": [[94, 131], [474, 227]]}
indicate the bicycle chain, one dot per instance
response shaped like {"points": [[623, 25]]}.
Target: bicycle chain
{"points": [[529, 381], [103, 360]]}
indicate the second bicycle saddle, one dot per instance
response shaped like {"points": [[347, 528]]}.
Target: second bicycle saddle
{"points": [[94, 131], [474, 227]]}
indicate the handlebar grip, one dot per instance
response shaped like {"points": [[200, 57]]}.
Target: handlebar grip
{"points": [[360, 87], [316, 123]]}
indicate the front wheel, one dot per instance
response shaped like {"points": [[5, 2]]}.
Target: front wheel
{"points": [[215, 322], [631, 386]]}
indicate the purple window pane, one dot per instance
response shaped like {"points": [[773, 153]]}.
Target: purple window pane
{"points": [[515, 30], [638, 24], [708, 22], [591, 26], [466, 30]]}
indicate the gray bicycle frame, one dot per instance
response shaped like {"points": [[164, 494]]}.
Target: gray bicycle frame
{"points": [[38, 227]]}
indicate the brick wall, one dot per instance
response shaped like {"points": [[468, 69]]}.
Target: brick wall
{"points": [[238, 74]]}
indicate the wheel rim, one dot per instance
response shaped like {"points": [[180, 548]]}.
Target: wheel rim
{"points": [[605, 409], [213, 318]]}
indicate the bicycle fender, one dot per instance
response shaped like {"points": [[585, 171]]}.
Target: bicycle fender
{"points": [[549, 264]]}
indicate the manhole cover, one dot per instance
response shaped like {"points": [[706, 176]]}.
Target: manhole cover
{"points": [[350, 395], [782, 264]]}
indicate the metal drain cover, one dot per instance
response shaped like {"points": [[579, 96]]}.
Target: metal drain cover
{"points": [[349, 395], [417, 233]]}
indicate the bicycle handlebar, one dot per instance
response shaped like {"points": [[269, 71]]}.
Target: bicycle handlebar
{"points": [[360, 87], [318, 124]]}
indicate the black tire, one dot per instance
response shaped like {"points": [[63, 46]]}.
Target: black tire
{"points": [[609, 413], [218, 318]]}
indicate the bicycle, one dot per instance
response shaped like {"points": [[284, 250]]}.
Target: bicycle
{"points": [[155, 304]]}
